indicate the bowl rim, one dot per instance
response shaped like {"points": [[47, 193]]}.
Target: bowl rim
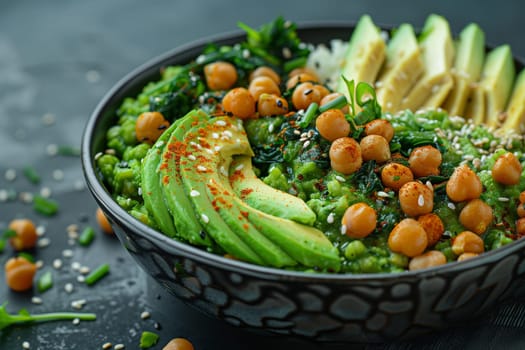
{"points": [[123, 218]]}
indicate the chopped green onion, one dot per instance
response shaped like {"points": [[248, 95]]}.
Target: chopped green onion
{"points": [[26, 256], [8, 233], [336, 103], [148, 339], [2, 245], [45, 282], [45, 206], [68, 151], [31, 174], [309, 115], [295, 63], [86, 237], [97, 274]]}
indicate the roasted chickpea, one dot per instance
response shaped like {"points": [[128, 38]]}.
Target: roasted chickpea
{"points": [[178, 344], [149, 126], [264, 71], [467, 242], [345, 155], [431, 258], [463, 184], [408, 237], [332, 124], [323, 91], [375, 147], [425, 161], [299, 79], [433, 226], [522, 197], [507, 169], [360, 220], [103, 222], [395, 175], [380, 127], [466, 256], [269, 104], [520, 210], [19, 274], [303, 70], [26, 236], [520, 227], [304, 95], [332, 96], [239, 102], [416, 199], [220, 75], [263, 85], [476, 216]]}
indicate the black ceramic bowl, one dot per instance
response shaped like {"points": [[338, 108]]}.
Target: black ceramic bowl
{"points": [[322, 307]]}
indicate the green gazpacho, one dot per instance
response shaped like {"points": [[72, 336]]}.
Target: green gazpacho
{"points": [[279, 153]]}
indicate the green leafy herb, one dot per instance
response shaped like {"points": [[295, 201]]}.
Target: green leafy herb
{"points": [[27, 256], [31, 174], [87, 236], [148, 339], [309, 115], [23, 316]]}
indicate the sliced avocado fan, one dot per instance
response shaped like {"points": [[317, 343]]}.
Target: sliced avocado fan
{"points": [[437, 49], [401, 69], [515, 119], [470, 55]]}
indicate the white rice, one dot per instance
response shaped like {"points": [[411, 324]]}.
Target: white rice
{"points": [[328, 61]]}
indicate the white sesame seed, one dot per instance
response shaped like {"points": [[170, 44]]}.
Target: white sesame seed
{"points": [[36, 300], [297, 132], [79, 185], [451, 205], [26, 345], [194, 193], [340, 178], [214, 135], [75, 265], [10, 174], [330, 219], [421, 200], [429, 185], [48, 119], [57, 264], [220, 123], [76, 321], [192, 157], [223, 171], [43, 242], [58, 175], [3, 195], [98, 155], [68, 287], [107, 346], [503, 199], [81, 279], [227, 134], [271, 127], [306, 144], [382, 194], [40, 230], [205, 218], [239, 167], [119, 347], [39, 264], [78, 304], [201, 168], [84, 270], [343, 229], [52, 149], [144, 315], [67, 253], [26, 197]]}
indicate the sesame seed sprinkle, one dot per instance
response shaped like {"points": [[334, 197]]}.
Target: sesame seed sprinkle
{"points": [[343, 229], [205, 218], [382, 194], [220, 123], [119, 346], [239, 167], [26, 345], [271, 127], [68, 287], [36, 300], [194, 193], [201, 168], [340, 178], [76, 321], [67, 253], [144, 315], [78, 304], [330, 219], [192, 157], [451, 205], [57, 264], [503, 199], [43, 242], [107, 346], [10, 174], [81, 279], [421, 200]]}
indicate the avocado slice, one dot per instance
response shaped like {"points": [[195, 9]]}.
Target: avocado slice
{"points": [[436, 82], [180, 207], [470, 54], [402, 68], [151, 188], [364, 56], [265, 198], [209, 144], [516, 107], [494, 88]]}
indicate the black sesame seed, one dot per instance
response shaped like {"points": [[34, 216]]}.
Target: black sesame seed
{"points": [[279, 103], [308, 92]]}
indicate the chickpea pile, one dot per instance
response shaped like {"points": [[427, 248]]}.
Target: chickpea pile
{"points": [[416, 234]]}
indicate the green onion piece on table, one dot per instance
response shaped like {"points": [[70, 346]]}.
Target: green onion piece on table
{"points": [[97, 274], [86, 237], [45, 282], [45, 206], [31, 174]]}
